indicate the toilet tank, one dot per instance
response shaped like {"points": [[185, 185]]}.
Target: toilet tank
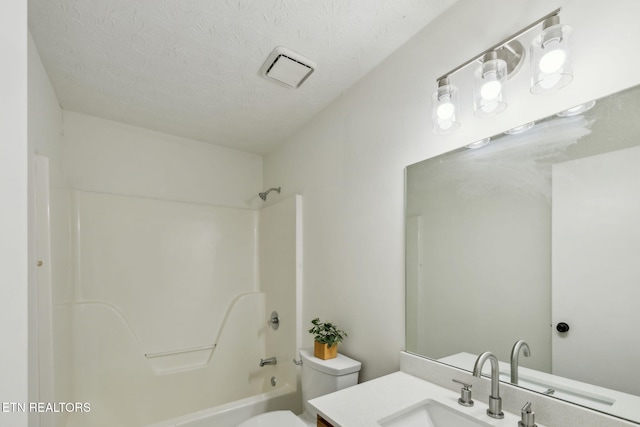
{"points": [[320, 377]]}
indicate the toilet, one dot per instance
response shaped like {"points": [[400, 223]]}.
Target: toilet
{"points": [[319, 377]]}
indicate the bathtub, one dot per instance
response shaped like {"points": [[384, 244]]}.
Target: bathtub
{"points": [[232, 414]]}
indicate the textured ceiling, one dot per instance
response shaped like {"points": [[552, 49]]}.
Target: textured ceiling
{"points": [[191, 67]]}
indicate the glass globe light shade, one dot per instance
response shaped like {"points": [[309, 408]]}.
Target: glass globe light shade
{"points": [[489, 86], [445, 108], [550, 58]]}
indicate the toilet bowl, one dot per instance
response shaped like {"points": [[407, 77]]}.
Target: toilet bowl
{"points": [[319, 377]]}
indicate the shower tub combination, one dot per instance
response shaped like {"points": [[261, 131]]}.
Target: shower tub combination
{"points": [[156, 312]]}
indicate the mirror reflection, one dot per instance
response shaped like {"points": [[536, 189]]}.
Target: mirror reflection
{"points": [[534, 236]]}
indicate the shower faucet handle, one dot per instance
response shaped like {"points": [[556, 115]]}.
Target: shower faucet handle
{"points": [[274, 320], [465, 393]]}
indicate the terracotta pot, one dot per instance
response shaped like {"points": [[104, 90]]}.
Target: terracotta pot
{"points": [[324, 352]]}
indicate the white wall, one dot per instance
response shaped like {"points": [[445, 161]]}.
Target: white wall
{"points": [[348, 161], [110, 157], [14, 211]]}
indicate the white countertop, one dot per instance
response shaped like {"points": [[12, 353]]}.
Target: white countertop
{"points": [[613, 402], [365, 404]]}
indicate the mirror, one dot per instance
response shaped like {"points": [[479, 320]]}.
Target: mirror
{"points": [[533, 230]]}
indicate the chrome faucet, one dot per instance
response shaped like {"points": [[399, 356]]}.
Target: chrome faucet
{"points": [[495, 401], [269, 361], [515, 352]]}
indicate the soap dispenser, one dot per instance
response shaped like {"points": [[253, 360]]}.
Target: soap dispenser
{"points": [[528, 416]]}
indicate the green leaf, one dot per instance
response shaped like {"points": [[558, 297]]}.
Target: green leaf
{"points": [[327, 332]]}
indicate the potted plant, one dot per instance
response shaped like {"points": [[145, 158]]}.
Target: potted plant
{"points": [[326, 337]]}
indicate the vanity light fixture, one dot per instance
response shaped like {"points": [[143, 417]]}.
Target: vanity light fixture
{"points": [[578, 109], [550, 70], [478, 144], [445, 107], [550, 59], [489, 81], [520, 129]]}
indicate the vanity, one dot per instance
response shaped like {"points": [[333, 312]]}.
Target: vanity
{"points": [[424, 388], [398, 399]]}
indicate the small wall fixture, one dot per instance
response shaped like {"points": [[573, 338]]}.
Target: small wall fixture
{"points": [[550, 57], [489, 81], [550, 70], [445, 107], [478, 144], [578, 109], [520, 129]]}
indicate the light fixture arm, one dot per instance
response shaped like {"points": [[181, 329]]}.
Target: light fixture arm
{"points": [[550, 22], [501, 43], [488, 59], [443, 87]]}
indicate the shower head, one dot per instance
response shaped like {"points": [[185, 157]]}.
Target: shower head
{"points": [[263, 196]]}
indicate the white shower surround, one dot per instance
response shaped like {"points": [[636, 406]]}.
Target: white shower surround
{"points": [[132, 276]]}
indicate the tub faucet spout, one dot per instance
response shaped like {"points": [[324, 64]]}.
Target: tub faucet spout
{"points": [[269, 361], [495, 401]]}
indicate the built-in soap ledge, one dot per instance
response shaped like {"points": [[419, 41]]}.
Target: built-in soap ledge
{"points": [[167, 362]]}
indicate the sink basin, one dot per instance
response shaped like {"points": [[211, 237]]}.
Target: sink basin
{"points": [[430, 413]]}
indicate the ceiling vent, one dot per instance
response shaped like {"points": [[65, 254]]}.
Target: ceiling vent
{"points": [[287, 68]]}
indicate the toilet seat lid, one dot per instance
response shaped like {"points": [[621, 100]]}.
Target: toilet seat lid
{"points": [[274, 419]]}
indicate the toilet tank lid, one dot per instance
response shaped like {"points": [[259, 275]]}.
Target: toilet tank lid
{"points": [[341, 365]]}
